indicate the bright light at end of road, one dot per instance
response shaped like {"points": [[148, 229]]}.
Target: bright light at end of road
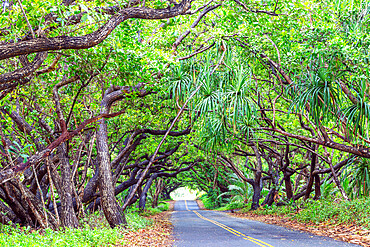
{"points": [[184, 193]]}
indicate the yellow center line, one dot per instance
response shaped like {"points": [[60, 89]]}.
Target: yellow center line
{"points": [[217, 223], [235, 232], [186, 205], [221, 225]]}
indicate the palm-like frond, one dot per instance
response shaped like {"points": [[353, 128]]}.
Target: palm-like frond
{"points": [[358, 115], [238, 189], [317, 93], [360, 182], [222, 105], [237, 96], [180, 85]]}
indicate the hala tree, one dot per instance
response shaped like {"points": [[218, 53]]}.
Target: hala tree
{"points": [[294, 98]]}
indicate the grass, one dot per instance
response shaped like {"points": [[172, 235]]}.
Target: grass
{"points": [[274, 210], [333, 211], [95, 231], [136, 221], [12, 237], [216, 203], [162, 206], [233, 205]]}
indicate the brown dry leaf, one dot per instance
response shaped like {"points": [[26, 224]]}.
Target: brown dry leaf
{"points": [[354, 234], [157, 235]]}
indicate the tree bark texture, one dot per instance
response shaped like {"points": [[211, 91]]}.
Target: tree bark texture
{"points": [[109, 203], [68, 215], [312, 177], [89, 40], [257, 181], [144, 193]]}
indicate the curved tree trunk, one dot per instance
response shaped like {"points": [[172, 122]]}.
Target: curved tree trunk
{"points": [[109, 203], [317, 187], [288, 186], [269, 200], [256, 195], [257, 182], [158, 190], [166, 194], [144, 194]]}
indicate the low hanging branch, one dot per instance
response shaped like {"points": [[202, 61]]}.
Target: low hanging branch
{"points": [[195, 23], [25, 71], [197, 52], [10, 173], [91, 39], [153, 159], [359, 151]]}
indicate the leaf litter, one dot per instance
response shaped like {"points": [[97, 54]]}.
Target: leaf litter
{"points": [[352, 233], [158, 234]]}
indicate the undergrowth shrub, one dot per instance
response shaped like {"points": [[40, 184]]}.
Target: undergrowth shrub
{"points": [[94, 231], [212, 200], [136, 221], [12, 237], [356, 211], [162, 206], [234, 205], [349, 212]]}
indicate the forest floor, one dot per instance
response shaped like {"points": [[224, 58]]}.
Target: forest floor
{"points": [[354, 234], [157, 234]]}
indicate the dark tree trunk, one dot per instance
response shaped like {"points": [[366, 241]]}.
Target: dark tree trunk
{"points": [[256, 195], [311, 179], [144, 193], [8, 213], [317, 187], [158, 190], [68, 215], [269, 200], [18, 208], [166, 194], [257, 182], [288, 186], [287, 175], [91, 187]]}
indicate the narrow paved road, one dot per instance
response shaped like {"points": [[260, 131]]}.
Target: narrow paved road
{"points": [[193, 227]]}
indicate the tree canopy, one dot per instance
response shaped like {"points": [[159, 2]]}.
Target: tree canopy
{"points": [[107, 98]]}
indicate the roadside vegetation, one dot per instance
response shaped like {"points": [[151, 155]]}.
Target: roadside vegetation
{"points": [[330, 210], [26, 237], [95, 231]]}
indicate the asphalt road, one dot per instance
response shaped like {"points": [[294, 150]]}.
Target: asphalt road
{"points": [[194, 227]]}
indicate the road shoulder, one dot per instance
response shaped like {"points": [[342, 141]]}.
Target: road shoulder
{"points": [[200, 204], [159, 234], [351, 234]]}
